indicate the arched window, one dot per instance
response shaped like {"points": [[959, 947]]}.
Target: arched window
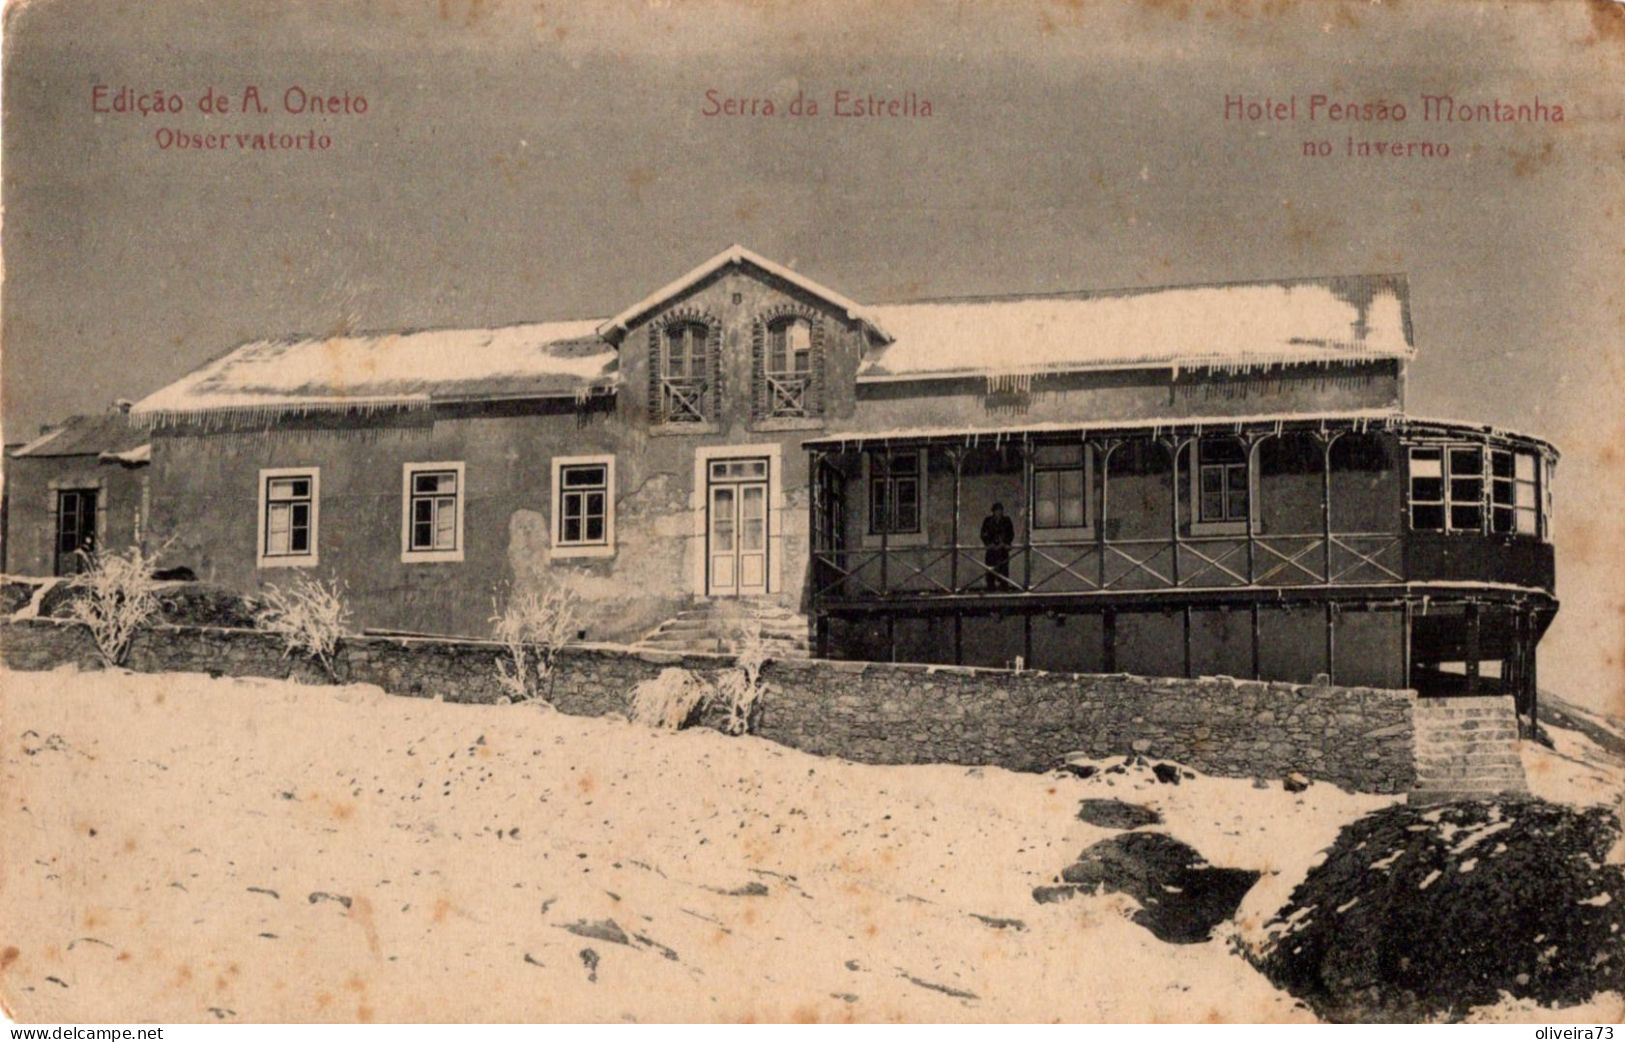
{"points": [[789, 367], [685, 373]]}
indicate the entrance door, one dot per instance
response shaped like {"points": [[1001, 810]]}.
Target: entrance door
{"points": [[736, 527], [75, 528]]}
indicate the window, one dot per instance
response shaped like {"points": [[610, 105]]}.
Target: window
{"points": [[432, 512], [289, 514], [1060, 488], [583, 506], [894, 494], [1447, 488], [1514, 493], [684, 371], [1223, 486], [789, 367]]}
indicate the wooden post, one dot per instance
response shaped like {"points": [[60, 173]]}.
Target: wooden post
{"points": [[1326, 509], [959, 637], [1253, 474], [1027, 520], [1405, 652], [885, 522], [1533, 677], [1473, 641], [1331, 641], [1187, 617], [1258, 670], [956, 456], [1174, 447], [1107, 448], [1108, 640]]}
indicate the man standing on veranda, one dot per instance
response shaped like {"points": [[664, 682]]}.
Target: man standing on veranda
{"points": [[997, 535]]}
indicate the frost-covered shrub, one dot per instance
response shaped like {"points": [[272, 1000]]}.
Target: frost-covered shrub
{"points": [[671, 700], [309, 615], [533, 627], [115, 595], [739, 689]]}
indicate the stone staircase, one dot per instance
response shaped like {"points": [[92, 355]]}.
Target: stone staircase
{"points": [[1466, 747], [717, 625]]}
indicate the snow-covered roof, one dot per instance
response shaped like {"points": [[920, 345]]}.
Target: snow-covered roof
{"points": [[1233, 325], [538, 360], [737, 254]]}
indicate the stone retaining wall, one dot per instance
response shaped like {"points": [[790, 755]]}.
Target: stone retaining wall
{"points": [[1357, 738]]}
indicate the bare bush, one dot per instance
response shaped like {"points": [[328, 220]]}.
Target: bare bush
{"points": [[309, 615], [738, 690], [671, 700], [115, 595], [533, 627]]}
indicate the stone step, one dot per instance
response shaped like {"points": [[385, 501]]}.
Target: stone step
{"points": [[1471, 774], [1468, 727], [1463, 748], [1496, 758]]}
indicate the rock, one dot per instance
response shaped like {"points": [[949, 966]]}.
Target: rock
{"points": [[1181, 897], [998, 923], [1082, 770], [1047, 895], [1294, 782], [1167, 773], [1260, 783], [598, 930], [1115, 814], [1483, 899], [1141, 745], [589, 959]]}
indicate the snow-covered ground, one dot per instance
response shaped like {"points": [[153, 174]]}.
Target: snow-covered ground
{"points": [[179, 848]]}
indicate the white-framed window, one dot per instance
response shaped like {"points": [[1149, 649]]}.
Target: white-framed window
{"points": [[1447, 488], [432, 498], [1221, 486], [289, 517], [1062, 477], [583, 506], [895, 499], [1514, 492]]}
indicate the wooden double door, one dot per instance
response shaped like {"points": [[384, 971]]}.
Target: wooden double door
{"points": [[736, 526]]}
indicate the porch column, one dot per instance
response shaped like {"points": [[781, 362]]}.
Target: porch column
{"points": [[816, 545], [1327, 441], [1107, 447], [886, 516], [1027, 520], [1175, 447], [1251, 442]]}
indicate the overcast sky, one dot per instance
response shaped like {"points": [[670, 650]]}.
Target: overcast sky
{"points": [[543, 160]]}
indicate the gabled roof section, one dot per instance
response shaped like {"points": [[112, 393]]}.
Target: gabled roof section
{"points": [[110, 434], [384, 370], [1223, 325], [616, 327]]}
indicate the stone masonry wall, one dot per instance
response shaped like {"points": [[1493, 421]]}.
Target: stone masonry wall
{"points": [[1356, 738]]}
